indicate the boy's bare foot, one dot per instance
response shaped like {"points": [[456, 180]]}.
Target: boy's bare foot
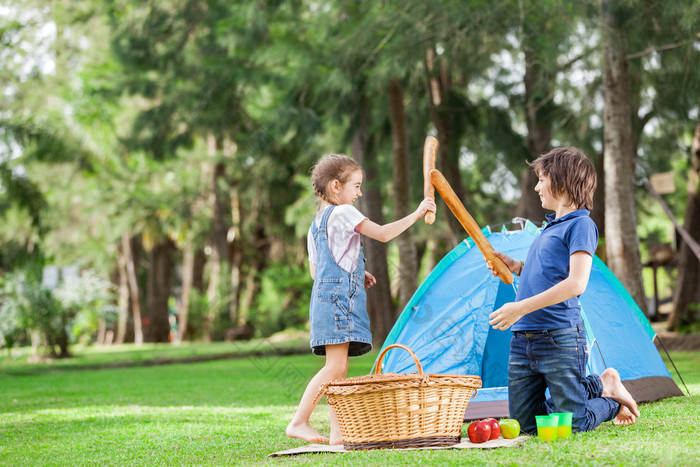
{"points": [[305, 432], [614, 389], [624, 417]]}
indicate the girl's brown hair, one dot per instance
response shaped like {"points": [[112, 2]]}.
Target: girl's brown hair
{"points": [[332, 167], [571, 173]]}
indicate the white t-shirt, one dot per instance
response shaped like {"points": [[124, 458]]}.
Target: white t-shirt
{"points": [[343, 239]]}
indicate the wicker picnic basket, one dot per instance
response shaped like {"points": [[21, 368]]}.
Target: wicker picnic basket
{"points": [[392, 410]]}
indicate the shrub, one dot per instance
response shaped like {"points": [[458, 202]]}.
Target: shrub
{"points": [[34, 307], [87, 299], [69, 312], [283, 301]]}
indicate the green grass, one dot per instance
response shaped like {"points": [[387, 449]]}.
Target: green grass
{"points": [[234, 411], [146, 354]]}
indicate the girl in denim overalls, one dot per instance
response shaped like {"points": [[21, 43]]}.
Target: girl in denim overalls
{"points": [[338, 311]]}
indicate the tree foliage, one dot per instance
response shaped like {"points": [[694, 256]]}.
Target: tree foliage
{"points": [[190, 127]]}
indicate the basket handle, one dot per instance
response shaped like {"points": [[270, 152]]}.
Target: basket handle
{"points": [[401, 346], [321, 392]]}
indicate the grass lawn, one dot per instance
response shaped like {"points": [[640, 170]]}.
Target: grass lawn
{"points": [[234, 411]]}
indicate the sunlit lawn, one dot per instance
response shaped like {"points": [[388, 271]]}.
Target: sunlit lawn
{"points": [[231, 411], [146, 354]]}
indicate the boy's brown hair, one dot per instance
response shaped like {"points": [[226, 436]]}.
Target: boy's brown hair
{"points": [[571, 173]]}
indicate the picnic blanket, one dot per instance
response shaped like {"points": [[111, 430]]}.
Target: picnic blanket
{"points": [[464, 444]]}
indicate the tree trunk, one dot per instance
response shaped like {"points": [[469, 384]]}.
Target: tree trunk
{"points": [[62, 339], [200, 262], [160, 279], [54, 335], [622, 243], [686, 300], [439, 84], [188, 256], [122, 295], [408, 268], [256, 261], [219, 269], [598, 213], [193, 262], [127, 248], [256, 264], [101, 331], [236, 256], [380, 306], [539, 131], [35, 338]]}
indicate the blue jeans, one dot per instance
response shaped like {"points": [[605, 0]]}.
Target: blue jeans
{"points": [[556, 360]]}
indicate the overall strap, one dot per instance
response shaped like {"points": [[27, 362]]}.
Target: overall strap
{"points": [[324, 221], [326, 215]]}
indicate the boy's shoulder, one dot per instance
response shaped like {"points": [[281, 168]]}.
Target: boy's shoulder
{"points": [[584, 220], [581, 223], [573, 227], [577, 219], [582, 234]]}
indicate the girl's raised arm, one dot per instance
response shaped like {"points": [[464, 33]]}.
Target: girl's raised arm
{"points": [[386, 232]]}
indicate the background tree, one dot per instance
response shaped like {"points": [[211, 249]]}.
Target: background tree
{"points": [[665, 53], [687, 294], [167, 145], [622, 243]]}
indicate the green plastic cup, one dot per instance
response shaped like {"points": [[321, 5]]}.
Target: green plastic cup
{"points": [[547, 426], [564, 426]]}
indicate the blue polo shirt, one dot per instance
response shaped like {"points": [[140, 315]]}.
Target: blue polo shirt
{"points": [[547, 264]]}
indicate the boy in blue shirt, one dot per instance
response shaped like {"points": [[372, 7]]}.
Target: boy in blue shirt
{"points": [[548, 348]]}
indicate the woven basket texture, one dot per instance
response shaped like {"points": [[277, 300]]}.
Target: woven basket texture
{"points": [[401, 410]]}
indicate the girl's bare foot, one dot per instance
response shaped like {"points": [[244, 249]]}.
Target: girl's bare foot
{"points": [[336, 436], [624, 417], [305, 432], [614, 389], [336, 440]]}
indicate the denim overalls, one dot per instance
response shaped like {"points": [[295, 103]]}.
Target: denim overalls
{"points": [[338, 308]]}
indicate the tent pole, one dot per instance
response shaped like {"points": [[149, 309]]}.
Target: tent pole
{"points": [[595, 341], [672, 363]]}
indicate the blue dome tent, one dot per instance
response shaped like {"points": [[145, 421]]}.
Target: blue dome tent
{"points": [[446, 324]]}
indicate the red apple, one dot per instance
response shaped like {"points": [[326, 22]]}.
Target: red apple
{"points": [[479, 431], [495, 428]]}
